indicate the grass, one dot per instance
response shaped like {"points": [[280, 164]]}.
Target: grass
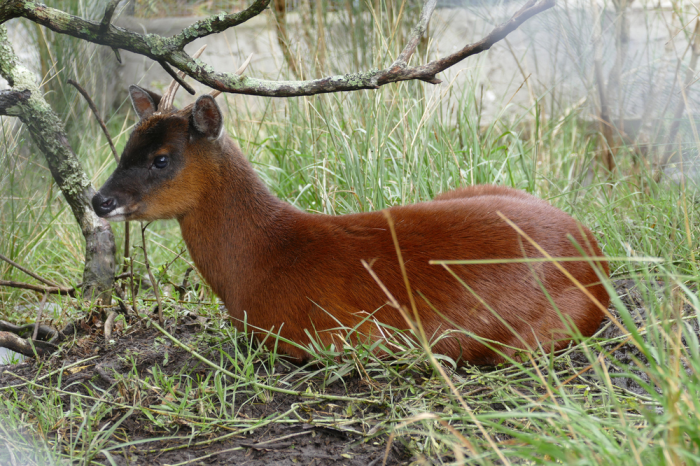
{"points": [[637, 402]]}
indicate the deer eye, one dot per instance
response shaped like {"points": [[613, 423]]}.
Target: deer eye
{"points": [[160, 162]]}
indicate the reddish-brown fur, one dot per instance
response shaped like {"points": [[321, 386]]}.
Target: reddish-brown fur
{"points": [[282, 269]]}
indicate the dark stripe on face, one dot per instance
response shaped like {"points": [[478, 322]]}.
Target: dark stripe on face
{"points": [[152, 134]]}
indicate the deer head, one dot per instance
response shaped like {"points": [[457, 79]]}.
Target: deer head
{"points": [[165, 162]]}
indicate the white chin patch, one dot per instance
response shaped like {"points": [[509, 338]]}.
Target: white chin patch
{"points": [[117, 215]]}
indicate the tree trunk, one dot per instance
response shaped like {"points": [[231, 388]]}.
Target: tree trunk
{"points": [[26, 101]]}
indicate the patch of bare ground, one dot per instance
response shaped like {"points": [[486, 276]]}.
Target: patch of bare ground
{"points": [[267, 428]]}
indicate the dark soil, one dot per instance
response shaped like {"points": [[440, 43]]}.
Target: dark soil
{"points": [[276, 443]]}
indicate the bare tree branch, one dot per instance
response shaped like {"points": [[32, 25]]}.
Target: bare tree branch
{"points": [[45, 332], [9, 100], [109, 12], [530, 9], [166, 102], [176, 77], [416, 35], [218, 23], [169, 50], [42, 289]]}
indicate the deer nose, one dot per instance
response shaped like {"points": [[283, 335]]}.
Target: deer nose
{"points": [[103, 205]]}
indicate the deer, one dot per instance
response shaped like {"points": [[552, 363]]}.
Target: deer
{"points": [[282, 271]]}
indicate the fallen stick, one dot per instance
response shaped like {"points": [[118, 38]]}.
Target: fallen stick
{"points": [[26, 347]]}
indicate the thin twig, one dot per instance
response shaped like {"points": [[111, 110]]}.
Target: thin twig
{"points": [[127, 244], [119, 277], [166, 101], [428, 71], [42, 289], [117, 55], [28, 272], [182, 289], [150, 275], [416, 35], [52, 289], [93, 107], [175, 76], [40, 311], [131, 284]]}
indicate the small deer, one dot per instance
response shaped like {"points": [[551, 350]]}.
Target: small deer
{"points": [[301, 275]]}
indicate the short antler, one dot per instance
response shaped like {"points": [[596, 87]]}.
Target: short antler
{"points": [[166, 102]]}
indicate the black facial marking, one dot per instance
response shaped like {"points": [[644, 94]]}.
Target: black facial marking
{"points": [[167, 135], [154, 154]]}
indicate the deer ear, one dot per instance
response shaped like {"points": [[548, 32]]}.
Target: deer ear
{"points": [[145, 102], [207, 118]]}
